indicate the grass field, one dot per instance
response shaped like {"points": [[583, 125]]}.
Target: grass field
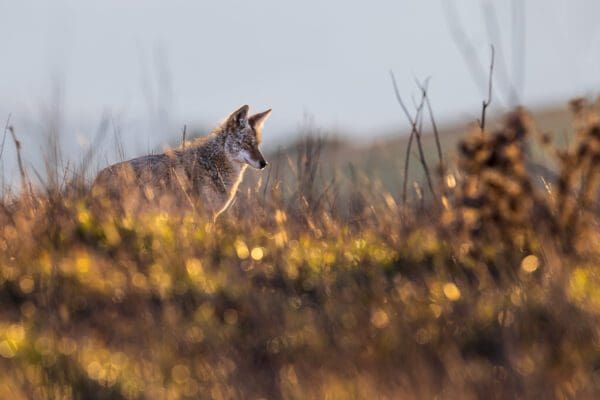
{"points": [[320, 282]]}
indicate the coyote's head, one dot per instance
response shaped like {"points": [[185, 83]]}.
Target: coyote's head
{"points": [[243, 134]]}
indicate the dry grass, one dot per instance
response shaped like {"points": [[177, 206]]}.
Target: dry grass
{"points": [[318, 284]]}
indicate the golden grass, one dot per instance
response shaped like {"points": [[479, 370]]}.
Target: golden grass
{"points": [[305, 290]]}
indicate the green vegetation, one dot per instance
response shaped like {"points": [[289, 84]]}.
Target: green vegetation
{"points": [[318, 284]]}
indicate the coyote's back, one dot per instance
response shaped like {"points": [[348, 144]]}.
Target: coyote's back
{"points": [[205, 173]]}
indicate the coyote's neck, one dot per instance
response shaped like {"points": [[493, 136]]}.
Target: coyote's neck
{"points": [[210, 155]]}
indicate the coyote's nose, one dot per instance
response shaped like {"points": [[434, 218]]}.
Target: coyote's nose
{"points": [[263, 164]]}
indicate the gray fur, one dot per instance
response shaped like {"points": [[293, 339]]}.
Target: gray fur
{"points": [[207, 171]]}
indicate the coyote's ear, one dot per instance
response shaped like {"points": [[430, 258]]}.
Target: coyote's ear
{"points": [[239, 117], [257, 120]]}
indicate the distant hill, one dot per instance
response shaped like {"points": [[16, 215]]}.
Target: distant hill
{"points": [[382, 160]]}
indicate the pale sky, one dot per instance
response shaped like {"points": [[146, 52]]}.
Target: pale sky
{"points": [[156, 65]]}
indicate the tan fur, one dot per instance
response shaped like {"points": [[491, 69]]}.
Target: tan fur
{"points": [[206, 172]]}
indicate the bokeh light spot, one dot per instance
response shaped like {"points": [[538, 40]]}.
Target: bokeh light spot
{"points": [[530, 263], [26, 284], [241, 250], [451, 291], [379, 318], [257, 253]]}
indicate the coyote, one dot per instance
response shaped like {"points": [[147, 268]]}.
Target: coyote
{"points": [[207, 171]]}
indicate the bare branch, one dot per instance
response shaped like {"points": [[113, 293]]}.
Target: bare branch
{"points": [[433, 123], [487, 102], [24, 180], [493, 28], [183, 138], [420, 147], [399, 98], [410, 138], [415, 132], [4, 135], [406, 164]]}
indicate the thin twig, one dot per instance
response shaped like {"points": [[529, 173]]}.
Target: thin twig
{"points": [[486, 103], [6, 126], [433, 123], [410, 138], [38, 175], [493, 28], [183, 138], [406, 163], [415, 132], [422, 154], [399, 98], [19, 160], [2, 152]]}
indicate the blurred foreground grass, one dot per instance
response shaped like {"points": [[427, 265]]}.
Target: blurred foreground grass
{"points": [[311, 287]]}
